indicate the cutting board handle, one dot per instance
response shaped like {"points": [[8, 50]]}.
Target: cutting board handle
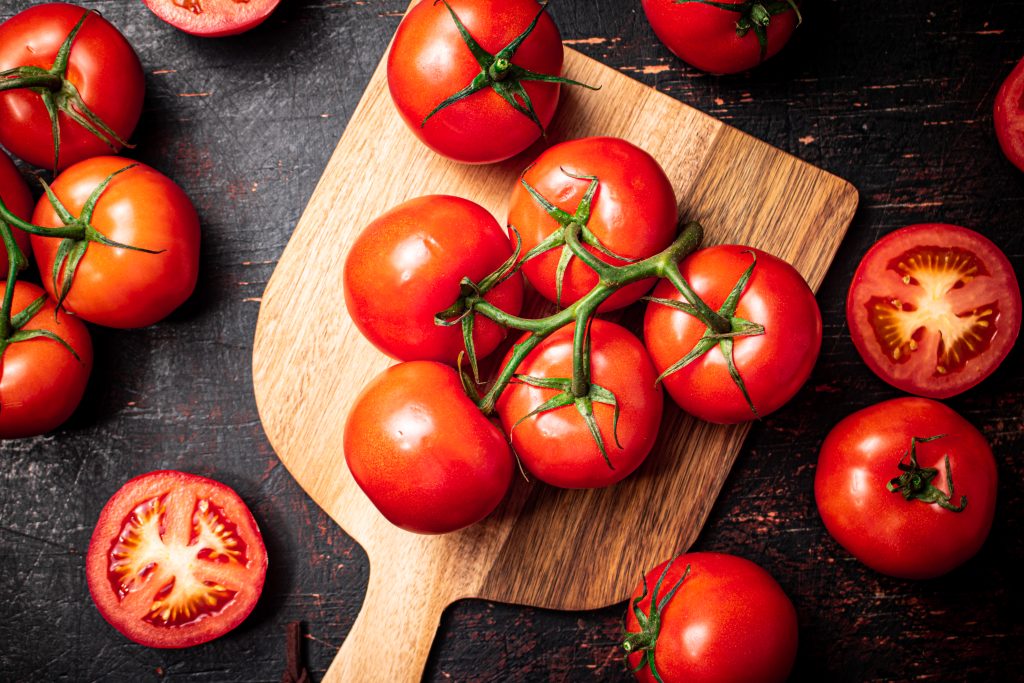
{"points": [[391, 638]]}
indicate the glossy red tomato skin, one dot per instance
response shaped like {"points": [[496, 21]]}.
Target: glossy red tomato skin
{"points": [[41, 382], [1009, 116], [102, 65], [634, 213], [16, 196], [429, 62], [875, 277], [730, 622], [406, 266], [141, 207], [423, 453], [556, 446], [705, 36], [907, 539], [179, 489], [213, 18], [773, 366]]}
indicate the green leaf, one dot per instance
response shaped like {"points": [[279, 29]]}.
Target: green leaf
{"points": [[726, 345], [90, 203], [21, 319], [482, 56], [26, 335]]}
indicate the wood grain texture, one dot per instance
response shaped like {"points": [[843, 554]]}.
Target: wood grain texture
{"points": [[742, 189]]}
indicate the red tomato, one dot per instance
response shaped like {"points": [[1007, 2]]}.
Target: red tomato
{"points": [[102, 66], [1009, 116], [141, 207], [729, 621], [719, 40], [423, 452], [41, 381], [773, 365], [914, 531], [175, 560], [16, 196], [213, 18], [557, 445], [633, 213], [406, 266], [430, 61], [934, 309]]}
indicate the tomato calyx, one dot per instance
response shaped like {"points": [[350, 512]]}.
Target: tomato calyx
{"points": [[576, 222], [721, 336], [754, 15], [645, 640], [76, 234], [499, 73], [915, 482], [60, 95]]}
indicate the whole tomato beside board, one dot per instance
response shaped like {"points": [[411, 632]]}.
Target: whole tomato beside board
{"points": [[619, 196], [44, 364], [135, 255], [934, 309], [476, 80], [710, 618], [1009, 116], [73, 64], [592, 440], [423, 452], [725, 36], [407, 267], [908, 487], [766, 356], [175, 560]]}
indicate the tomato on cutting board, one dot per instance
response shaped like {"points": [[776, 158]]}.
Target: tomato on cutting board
{"points": [[99, 87], [618, 194], [43, 376], [1009, 116], [908, 487], [17, 198], [934, 309], [108, 283], [723, 36], [213, 18], [710, 618], [175, 560]]}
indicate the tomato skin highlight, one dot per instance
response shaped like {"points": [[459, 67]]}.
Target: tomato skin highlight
{"points": [[405, 267], [183, 500], [141, 207], [102, 65], [1009, 116], [918, 267], [422, 451], [18, 199], [774, 366], [730, 621], [705, 36], [907, 539], [556, 446], [429, 62], [634, 213], [41, 382], [213, 18]]}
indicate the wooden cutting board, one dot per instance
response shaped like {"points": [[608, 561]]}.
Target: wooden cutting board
{"points": [[544, 547]]}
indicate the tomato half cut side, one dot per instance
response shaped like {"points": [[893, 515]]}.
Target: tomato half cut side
{"points": [[934, 309], [213, 18], [1008, 115], [175, 560]]}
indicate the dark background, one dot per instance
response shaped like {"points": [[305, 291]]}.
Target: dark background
{"points": [[894, 96]]}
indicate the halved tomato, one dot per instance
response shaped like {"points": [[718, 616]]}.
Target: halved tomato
{"points": [[213, 18], [934, 309], [175, 560]]}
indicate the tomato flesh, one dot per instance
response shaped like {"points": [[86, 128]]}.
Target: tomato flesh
{"points": [[175, 560], [934, 309], [213, 18]]}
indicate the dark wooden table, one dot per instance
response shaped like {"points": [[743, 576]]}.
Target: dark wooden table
{"points": [[894, 96]]}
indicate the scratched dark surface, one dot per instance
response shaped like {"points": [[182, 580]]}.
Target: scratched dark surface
{"points": [[894, 96]]}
